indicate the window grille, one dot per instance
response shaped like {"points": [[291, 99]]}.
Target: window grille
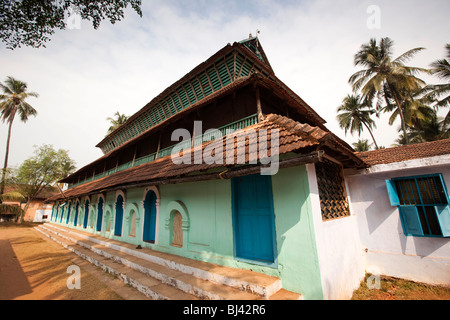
{"points": [[333, 197]]}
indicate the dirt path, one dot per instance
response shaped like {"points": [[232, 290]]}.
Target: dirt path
{"points": [[35, 268]]}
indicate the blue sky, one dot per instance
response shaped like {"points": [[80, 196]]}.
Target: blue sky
{"points": [[86, 75]]}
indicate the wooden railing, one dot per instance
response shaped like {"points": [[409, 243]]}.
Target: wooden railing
{"points": [[237, 125]]}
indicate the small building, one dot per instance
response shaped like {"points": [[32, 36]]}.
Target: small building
{"points": [[401, 205], [37, 211], [256, 182]]}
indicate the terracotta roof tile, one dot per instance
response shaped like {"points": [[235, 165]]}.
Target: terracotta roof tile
{"points": [[403, 153], [293, 136]]}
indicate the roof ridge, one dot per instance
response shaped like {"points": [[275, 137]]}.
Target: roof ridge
{"points": [[406, 152], [303, 130], [412, 145]]}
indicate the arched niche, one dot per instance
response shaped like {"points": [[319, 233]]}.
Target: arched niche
{"points": [[177, 223]]}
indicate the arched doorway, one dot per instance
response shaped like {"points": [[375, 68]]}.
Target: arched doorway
{"points": [[75, 220], [100, 214], [68, 213], [86, 214], [119, 216], [149, 232], [177, 229]]}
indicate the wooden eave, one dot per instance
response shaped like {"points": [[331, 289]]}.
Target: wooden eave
{"points": [[298, 144]]}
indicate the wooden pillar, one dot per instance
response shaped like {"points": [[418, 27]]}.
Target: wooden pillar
{"points": [[159, 147], [258, 105]]}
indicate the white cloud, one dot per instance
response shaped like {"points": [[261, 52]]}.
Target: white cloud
{"points": [[86, 75]]}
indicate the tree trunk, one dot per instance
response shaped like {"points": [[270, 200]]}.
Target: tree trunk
{"points": [[400, 112], [5, 166], [371, 134], [22, 215]]}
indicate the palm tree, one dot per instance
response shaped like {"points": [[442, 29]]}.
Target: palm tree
{"points": [[416, 107], [354, 114], [12, 102], [441, 69], [430, 129], [384, 77], [117, 122], [362, 145]]}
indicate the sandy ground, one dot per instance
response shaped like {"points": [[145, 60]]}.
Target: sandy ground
{"points": [[33, 267]]}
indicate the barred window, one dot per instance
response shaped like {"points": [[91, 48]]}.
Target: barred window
{"points": [[332, 193]]}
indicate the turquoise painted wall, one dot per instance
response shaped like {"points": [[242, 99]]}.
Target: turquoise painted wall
{"points": [[296, 241], [208, 226]]}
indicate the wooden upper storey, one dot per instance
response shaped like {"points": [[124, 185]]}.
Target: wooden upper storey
{"points": [[222, 69], [229, 102]]}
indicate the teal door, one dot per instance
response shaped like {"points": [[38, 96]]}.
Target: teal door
{"points": [[149, 217], [68, 214], [100, 214], [86, 214], [119, 216], [253, 218], [75, 220]]}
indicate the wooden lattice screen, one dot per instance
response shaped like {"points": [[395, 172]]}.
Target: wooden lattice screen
{"points": [[333, 197]]}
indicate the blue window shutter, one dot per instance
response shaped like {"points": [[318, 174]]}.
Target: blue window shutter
{"points": [[410, 221], [392, 193], [444, 187], [443, 214]]}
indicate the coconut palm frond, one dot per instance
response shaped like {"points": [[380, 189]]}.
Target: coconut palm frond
{"points": [[116, 122], [387, 79], [405, 57]]}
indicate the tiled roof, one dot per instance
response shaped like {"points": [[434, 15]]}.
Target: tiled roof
{"points": [[43, 194], [275, 86], [293, 137], [168, 104], [404, 153]]}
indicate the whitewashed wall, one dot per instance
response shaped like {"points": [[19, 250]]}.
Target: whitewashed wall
{"points": [[386, 249], [339, 249], [40, 214]]}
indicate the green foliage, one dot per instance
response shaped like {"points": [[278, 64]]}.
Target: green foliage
{"points": [[388, 80], [116, 122], [441, 92], [12, 102], [396, 89], [355, 114], [362, 145], [32, 22], [45, 168]]}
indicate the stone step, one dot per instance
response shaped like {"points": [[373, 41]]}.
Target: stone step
{"points": [[187, 283], [202, 279], [148, 286]]}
